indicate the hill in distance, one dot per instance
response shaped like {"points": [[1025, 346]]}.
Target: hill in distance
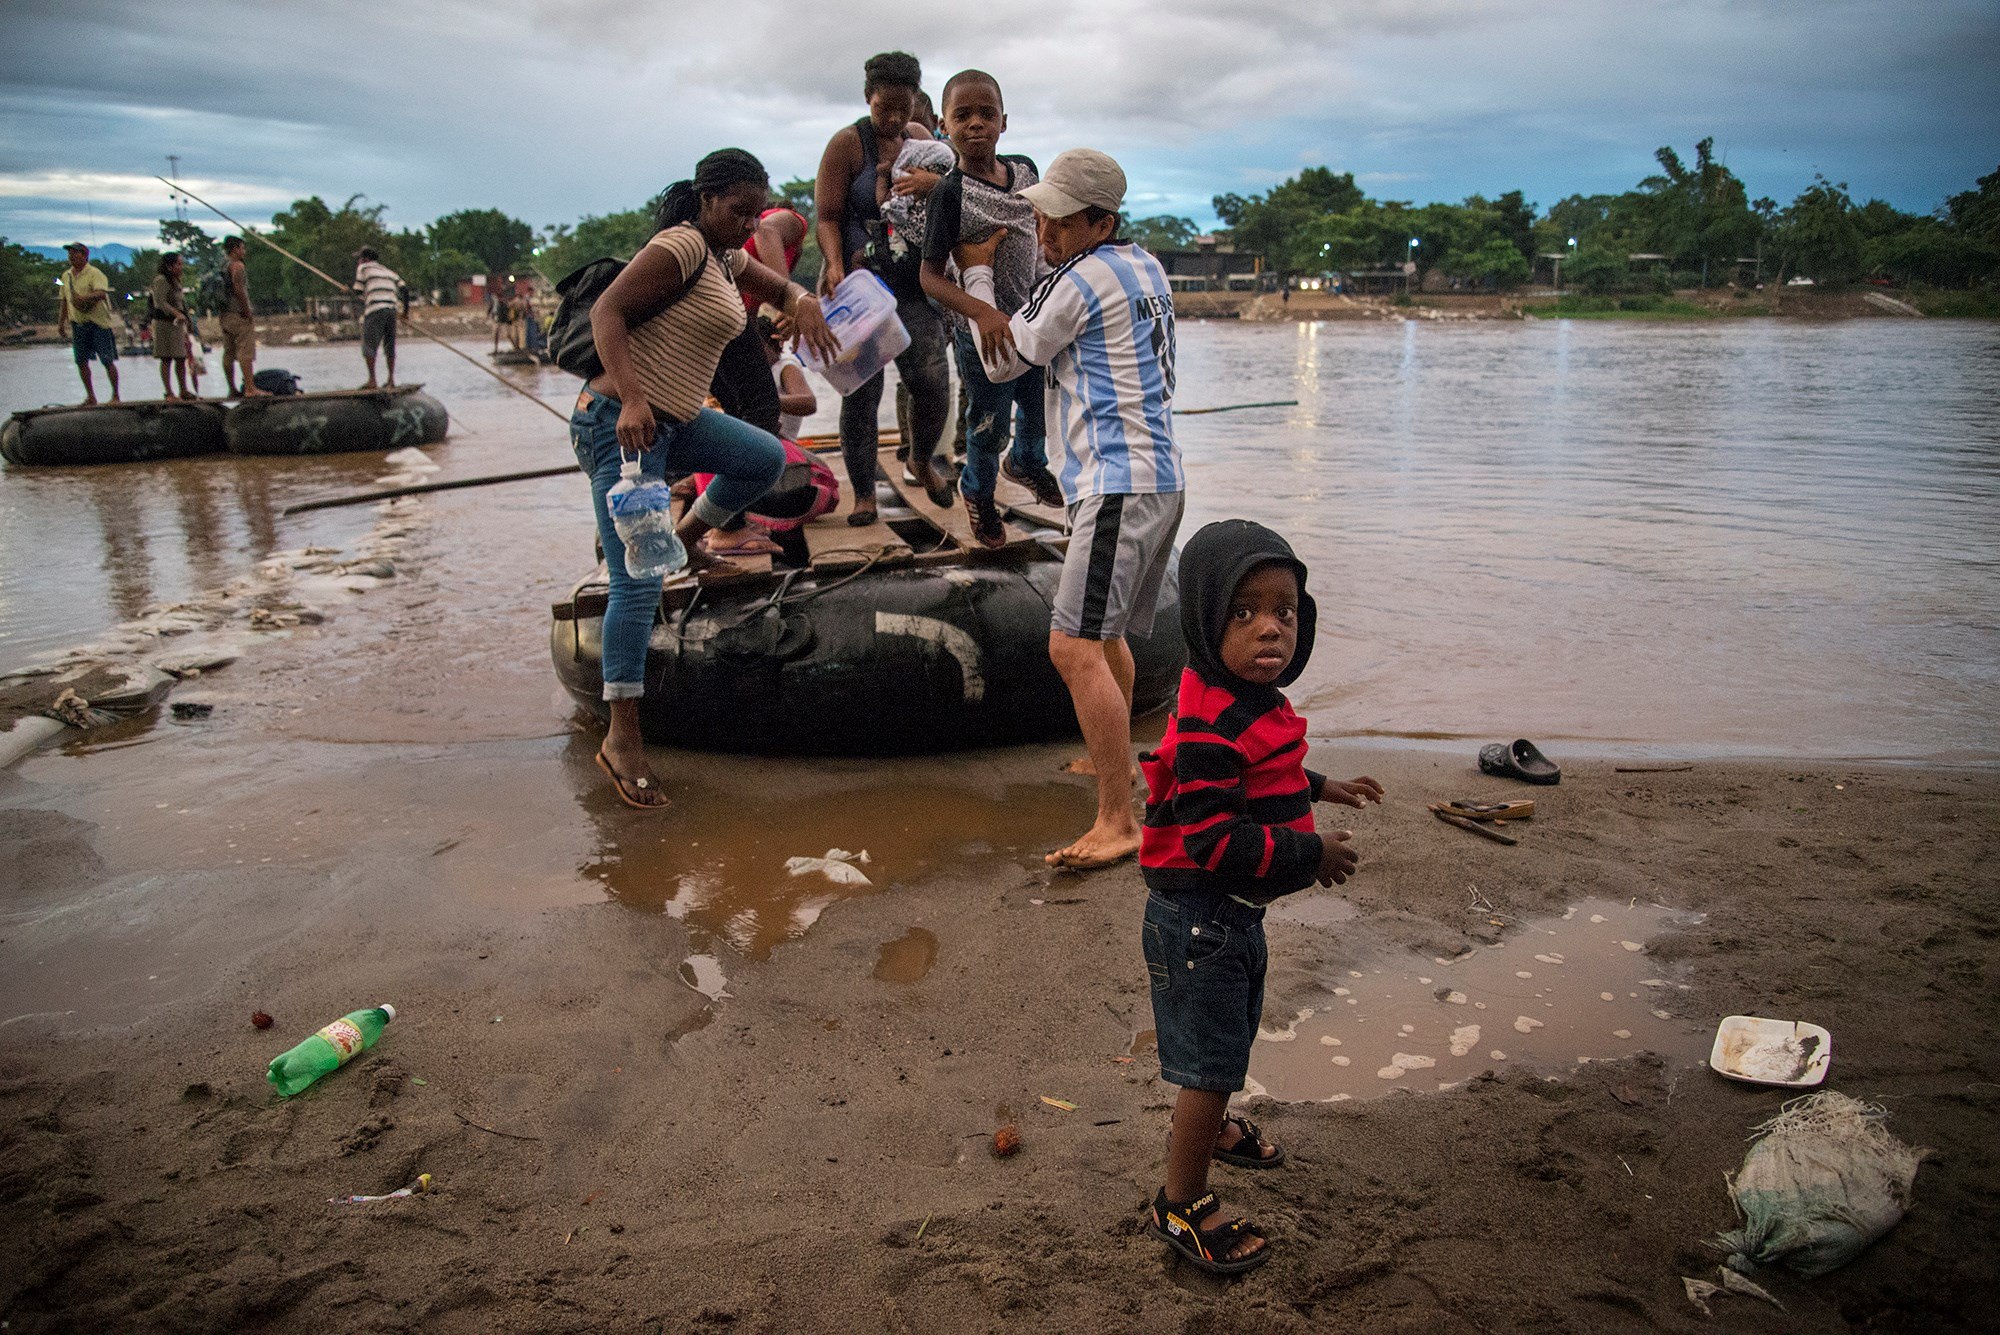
{"points": [[114, 251]]}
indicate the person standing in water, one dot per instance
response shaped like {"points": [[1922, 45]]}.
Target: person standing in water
{"points": [[1102, 324], [84, 317], [660, 329], [853, 182]]}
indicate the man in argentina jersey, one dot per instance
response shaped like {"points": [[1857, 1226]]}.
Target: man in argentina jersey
{"points": [[1102, 326]]}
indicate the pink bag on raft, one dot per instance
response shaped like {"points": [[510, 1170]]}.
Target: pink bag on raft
{"points": [[802, 469]]}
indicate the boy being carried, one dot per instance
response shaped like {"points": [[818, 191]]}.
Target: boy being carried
{"points": [[980, 197], [1229, 828], [1103, 325]]}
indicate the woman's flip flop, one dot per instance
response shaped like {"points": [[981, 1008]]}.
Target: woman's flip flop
{"points": [[624, 787]]}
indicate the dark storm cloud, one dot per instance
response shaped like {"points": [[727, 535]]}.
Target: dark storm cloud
{"points": [[553, 110]]}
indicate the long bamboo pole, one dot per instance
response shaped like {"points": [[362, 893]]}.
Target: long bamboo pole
{"points": [[344, 287], [1233, 407], [421, 489]]}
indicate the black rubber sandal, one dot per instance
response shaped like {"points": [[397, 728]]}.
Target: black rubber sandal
{"points": [[1178, 1225], [1522, 760], [1236, 1158]]}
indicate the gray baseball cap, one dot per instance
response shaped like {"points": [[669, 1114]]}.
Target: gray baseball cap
{"points": [[1078, 178]]}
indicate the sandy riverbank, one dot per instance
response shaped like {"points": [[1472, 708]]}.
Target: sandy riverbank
{"points": [[810, 1151]]}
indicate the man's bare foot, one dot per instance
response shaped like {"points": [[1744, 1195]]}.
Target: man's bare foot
{"points": [[254, 393], [91, 402], [1098, 848], [371, 385]]}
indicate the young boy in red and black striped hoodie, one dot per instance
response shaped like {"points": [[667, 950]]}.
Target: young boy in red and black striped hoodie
{"points": [[1229, 828]]}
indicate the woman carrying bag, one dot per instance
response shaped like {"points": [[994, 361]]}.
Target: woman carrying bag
{"points": [[659, 329]]}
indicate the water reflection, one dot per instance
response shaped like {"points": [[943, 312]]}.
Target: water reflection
{"points": [[716, 860]]}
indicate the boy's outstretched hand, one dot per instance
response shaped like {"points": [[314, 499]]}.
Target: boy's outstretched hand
{"points": [[1336, 859], [1353, 793]]}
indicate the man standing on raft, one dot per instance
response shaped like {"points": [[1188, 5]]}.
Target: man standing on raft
{"points": [[1103, 326]]}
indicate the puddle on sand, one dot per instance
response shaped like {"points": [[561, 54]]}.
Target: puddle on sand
{"points": [[717, 862], [908, 958], [1557, 991]]}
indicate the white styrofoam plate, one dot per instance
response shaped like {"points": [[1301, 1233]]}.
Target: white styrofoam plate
{"points": [[1790, 1053]]}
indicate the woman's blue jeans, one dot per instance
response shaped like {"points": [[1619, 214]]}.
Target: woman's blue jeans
{"points": [[746, 463]]}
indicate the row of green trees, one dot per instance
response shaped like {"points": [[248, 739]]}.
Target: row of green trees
{"points": [[435, 259], [1697, 216]]}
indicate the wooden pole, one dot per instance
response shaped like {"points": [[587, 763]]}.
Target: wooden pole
{"points": [[1233, 407], [252, 232], [423, 488]]}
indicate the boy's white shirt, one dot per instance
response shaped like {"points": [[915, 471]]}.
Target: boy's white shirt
{"points": [[1145, 459]]}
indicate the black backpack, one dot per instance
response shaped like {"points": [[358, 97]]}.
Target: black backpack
{"points": [[570, 341]]}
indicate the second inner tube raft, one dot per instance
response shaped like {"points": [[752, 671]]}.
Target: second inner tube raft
{"points": [[112, 433], [336, 421], [906, 659]]}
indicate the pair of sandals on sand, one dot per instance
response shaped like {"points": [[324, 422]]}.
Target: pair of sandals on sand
{"points": [[1178, 1224]]}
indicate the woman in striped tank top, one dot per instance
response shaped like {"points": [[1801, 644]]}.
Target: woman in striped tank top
{"points": [[660, 329]]}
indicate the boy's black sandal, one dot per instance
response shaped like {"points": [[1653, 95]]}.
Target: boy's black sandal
{"points": [[1247, 1152], [1178, 1225]]}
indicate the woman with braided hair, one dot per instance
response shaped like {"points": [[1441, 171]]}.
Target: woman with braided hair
{"points": [[660, 328]]}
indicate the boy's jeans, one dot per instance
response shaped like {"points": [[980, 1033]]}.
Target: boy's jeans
{"points": [[745, 461], [989, 410]]}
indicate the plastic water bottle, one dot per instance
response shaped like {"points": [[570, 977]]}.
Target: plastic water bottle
{"points": [[328, 1050], [641, 511]]}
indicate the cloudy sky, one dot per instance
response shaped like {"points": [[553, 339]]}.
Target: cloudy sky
{"points": [[550, 110]]}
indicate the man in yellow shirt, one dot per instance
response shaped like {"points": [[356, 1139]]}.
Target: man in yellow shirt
{"points": [[86, 317]]}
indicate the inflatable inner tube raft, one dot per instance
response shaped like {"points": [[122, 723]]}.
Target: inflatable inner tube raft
{"points": [[901, 636], [336, 421], [112, 433]]}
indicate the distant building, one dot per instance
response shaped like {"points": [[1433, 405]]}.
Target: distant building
{"points": [[473, 291], [1215, 265]]}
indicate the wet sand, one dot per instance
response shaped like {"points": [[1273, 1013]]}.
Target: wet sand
{"points": [[809, 1150]]}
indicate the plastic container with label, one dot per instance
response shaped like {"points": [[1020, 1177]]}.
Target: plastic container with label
{"points": [[862, 315]]}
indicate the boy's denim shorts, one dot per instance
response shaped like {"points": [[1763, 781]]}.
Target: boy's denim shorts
{"points": [[1206, 956]]}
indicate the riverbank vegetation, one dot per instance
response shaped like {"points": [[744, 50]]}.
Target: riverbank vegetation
{"points": [[1691, 225]]}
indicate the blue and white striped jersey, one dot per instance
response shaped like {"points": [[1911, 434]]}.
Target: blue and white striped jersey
{"points": [[1103, 327]]}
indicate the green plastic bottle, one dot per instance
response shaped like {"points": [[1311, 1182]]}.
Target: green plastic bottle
{"points": [[328, 1050]]}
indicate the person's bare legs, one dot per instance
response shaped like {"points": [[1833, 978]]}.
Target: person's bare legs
{"points": [[1191, 1141], [389, 356], [166, 377], [1123, 669], [1091, 671], [90, 386], [371, 372], [110, 371]]}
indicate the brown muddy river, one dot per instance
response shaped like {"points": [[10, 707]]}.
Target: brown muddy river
{"points": [[1758, 537]]}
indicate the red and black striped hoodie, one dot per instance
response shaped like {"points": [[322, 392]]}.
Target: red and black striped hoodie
{"points": [[1228, 796]]}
